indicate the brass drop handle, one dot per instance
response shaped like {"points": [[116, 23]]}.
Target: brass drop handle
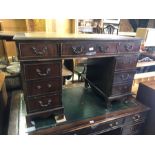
{"points": [[49, 85], [38, 87], [113, 124], [124, 78], [77, 49], [48, 70], [127, 61], [103, 48], [128, 47], [122, 88], [116, 123], [136, 117], [45, 105], [38, 51]]}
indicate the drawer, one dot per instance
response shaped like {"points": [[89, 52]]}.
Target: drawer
{"points": [[139, 117], [78, 49], [37, 50], [127, 76], [88, 48], [97, 128], [128, 46], [39, 87], [121, 89], [133, 129], [126, 62], [42, 70], [43, 103], [106, 47]]}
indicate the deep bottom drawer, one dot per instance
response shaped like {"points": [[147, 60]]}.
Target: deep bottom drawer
{"points": [[43, 103]]}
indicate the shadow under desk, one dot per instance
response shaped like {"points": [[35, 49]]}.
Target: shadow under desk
{"points": [[85, 114]]}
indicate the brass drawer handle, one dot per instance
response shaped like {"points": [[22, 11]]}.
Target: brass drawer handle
{"points": [[45, 105], [38, 52], [113, 124], [48, 70], [94, 126], [77, 49], [103, 48], [136, 117], [124, 78], [124, 88], [38, 87], [128, 47], [49, 85]]}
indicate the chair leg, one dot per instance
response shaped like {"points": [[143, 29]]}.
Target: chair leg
{"points": [[73, 77], [78, 77]]}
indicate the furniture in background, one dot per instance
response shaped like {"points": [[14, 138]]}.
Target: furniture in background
{"points": [[80, 67], [111, 26], [146, 95], [146, 64], [67, 70], [110, 29]]}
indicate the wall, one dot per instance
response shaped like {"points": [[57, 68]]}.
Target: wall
{"points": [[35, 25], [59, 25], [17, 25]]}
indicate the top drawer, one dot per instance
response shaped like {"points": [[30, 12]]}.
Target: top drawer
{"points": [[38, 50], [78, 48], [39, 70], [126, 47]]}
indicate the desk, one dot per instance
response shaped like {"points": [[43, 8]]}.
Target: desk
{"points": [[110, 70]]}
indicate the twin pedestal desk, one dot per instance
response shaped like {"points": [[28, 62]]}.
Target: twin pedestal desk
{"points": [[103, 105]]}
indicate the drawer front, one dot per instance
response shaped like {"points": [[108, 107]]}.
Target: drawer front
{"points": [[40, 87], [42, 70], [126, 62], [135, 118], [133, 129], [88, 48], [95, 129], [121, 89], [43, 103], [120, 77], [106, 47], [129, 46], [37, 50]]}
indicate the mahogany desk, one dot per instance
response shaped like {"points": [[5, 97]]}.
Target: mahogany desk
{"points": [[110, 70]]}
